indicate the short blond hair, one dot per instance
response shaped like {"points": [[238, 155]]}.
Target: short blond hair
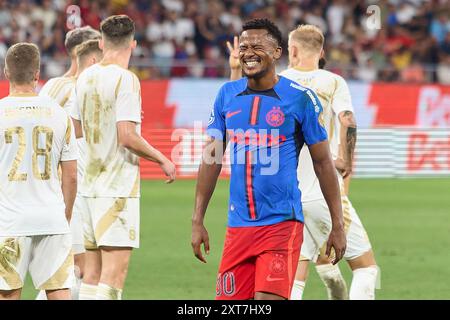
{"points": [[22, 61], [309, 37]]}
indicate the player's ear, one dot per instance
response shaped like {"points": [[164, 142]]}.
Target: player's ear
{"points": [[277, 53], [293, 51], [322, 54], [5, 71], [37, 75], [133, 44]]}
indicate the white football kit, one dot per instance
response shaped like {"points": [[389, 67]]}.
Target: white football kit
{"points": [[35, 136], [60, 89], [103, 96], [334, 95]]}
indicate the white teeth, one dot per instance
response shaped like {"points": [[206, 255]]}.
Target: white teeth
{"points": [[251, 63]]}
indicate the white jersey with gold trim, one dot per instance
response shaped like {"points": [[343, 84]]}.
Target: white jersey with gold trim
{"points": [[59, 88], [36, 134], [334, 95], [103, 96]]}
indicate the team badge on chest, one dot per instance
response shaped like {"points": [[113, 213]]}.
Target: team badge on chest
{"points": [[275, 117]]}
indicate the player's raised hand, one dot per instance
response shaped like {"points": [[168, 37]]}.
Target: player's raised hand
{"points": [[199, 237], [234, 53], [170, 170], [338, 241]]}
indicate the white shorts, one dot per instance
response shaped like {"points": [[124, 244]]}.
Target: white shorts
{"points": [[76, 225], [318, 226], [48, 258], [112, 222]]}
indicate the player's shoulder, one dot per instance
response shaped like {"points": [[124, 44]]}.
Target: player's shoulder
{"points": [[331, 76], [234, 86], [292, 89], [231, 89], [57, 81], [296, 93], [49, 102]]}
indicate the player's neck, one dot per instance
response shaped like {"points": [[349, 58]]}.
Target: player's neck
{"points": [[266, 82], [22, 89], [306, 63], [121, 58], [72, 70]]}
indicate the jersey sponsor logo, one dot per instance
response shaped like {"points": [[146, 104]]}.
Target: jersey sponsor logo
{"points": [[275, 117], [252, 138], [233, 113]]}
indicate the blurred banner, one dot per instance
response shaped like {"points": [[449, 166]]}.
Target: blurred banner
{"points": [[403, 130], [180, 102], [396, 152]]}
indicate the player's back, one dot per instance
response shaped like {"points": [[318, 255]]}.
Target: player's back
{"points": [[106, 94], [35, 134], [59, 88], [334, 95]]}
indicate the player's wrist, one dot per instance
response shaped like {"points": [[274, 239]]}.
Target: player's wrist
{"points": [[337, 226], [197, 221]]}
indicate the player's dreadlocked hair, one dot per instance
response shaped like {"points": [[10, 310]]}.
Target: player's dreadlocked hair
{"points": [[265, 24]]}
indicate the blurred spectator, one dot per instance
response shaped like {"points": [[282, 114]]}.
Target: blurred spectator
{"points": [[414, 73], [186, 38], [443, 70], [440, 26]]}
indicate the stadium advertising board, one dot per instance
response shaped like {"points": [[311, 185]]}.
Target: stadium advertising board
{"points": [[396, 137]]}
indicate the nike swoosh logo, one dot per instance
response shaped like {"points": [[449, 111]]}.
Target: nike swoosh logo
{"points": [[270, 279], [230, 114]]}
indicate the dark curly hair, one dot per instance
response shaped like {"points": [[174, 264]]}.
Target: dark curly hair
{"points": [[265, 24]]}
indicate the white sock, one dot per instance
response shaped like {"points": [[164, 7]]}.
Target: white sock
{"points": [[105, 292], [297, 290], [87, 292], [333, 280], [41, 295], [363, 283]]}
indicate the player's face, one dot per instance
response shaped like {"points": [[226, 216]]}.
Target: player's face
{"points": [[258, 52]]}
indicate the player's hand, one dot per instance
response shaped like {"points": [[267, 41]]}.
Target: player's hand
{"points": [[199, 237], [234, 53], [338, 242], [344, 168], [170, 170]]}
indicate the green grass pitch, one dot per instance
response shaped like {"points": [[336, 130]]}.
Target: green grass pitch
{"points": [[408, 222]]}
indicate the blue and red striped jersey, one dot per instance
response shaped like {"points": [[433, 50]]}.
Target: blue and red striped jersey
{"points": [[265, 130]]}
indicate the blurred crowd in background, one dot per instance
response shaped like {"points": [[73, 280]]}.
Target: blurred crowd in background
{"points": [[186, 38]]}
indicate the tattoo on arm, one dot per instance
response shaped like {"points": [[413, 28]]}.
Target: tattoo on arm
{"points": [[351, 142], [349, 125]]}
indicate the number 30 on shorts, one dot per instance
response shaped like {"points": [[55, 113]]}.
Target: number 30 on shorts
{"points": [[226, 284]]}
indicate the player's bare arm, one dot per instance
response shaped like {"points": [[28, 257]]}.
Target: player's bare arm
{"points": [[130, 139], [348, 142], [233, 60], [69, 185], [208, 173], [326, 173], [77, 127]]}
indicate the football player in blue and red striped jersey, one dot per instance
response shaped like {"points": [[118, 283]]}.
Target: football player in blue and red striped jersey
{"points": [[267, 119]]}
